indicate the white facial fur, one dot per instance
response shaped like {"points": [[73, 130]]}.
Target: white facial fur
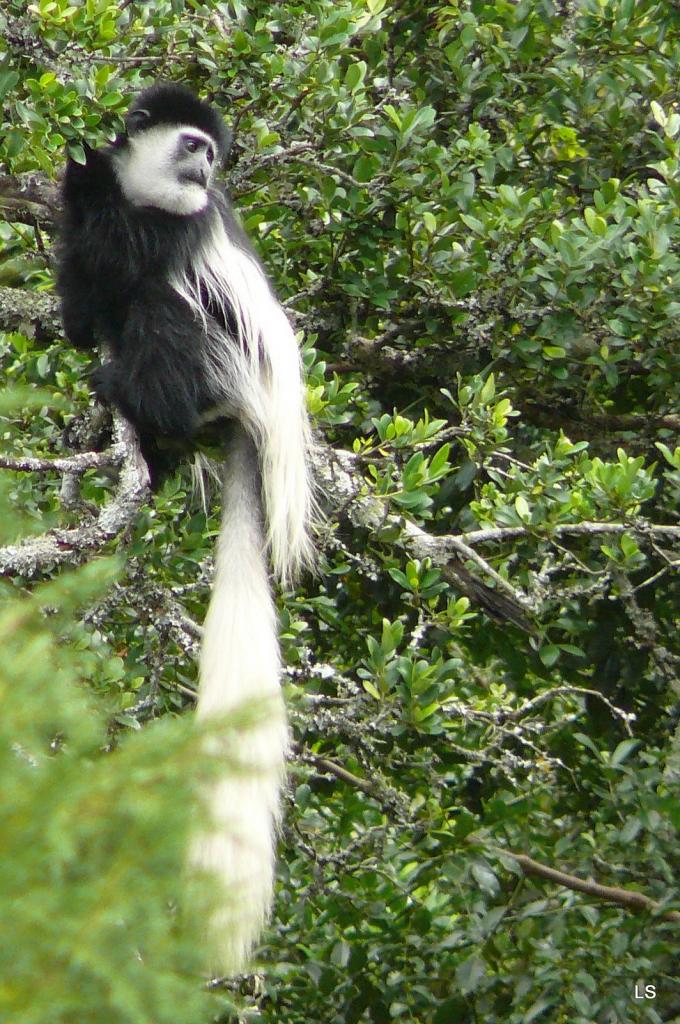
{"points": [[155, 167]]}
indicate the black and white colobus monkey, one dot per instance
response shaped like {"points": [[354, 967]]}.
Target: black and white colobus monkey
{"points": [[153, 266]]}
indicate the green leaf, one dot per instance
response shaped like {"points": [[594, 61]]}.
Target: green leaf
{"points": [[355, 75], [623, 751], [549, 654], [430, 221], [595, 222], [365, 168], [554, 351], [484, 877], [77, 153], [658, 113], [8, 81], [469, 973], [586, 742], [488, 391], [522, 507]]}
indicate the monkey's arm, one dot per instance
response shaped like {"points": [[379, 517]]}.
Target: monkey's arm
{"points": [[157, 376], [85, 246], [102, 251], [77, 302], [89, 183]]}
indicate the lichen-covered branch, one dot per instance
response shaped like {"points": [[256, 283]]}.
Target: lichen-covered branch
{"points": [[31, 313], [73, 465], [57, 547], [30, 198], [340, 477], [585, 528]]}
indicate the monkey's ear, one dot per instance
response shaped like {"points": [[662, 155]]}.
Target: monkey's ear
{"points": [[136, 120]]}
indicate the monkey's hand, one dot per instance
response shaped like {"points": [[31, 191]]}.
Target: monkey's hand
{"points": [[103, 382]]}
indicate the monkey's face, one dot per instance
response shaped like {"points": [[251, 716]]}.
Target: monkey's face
{"points": [[168, 167]]}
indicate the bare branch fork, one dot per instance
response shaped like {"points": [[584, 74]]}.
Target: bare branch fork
{"points": [[59, 546]]}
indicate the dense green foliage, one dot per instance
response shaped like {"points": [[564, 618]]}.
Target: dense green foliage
{"points": [[92, 842], [473, 209]]}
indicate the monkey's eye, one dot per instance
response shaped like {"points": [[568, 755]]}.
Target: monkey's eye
{"points": [[192, 145], [210, 154]]}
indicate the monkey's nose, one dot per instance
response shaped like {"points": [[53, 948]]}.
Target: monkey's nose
{"points": [[199, 175]]}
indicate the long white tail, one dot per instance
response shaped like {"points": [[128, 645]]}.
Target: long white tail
{"points": [[239, 671]]}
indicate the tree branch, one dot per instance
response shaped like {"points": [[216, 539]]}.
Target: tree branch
{"points": [[72, 464], [29, 198], [588, 527], [32, 313], [628, 898], [339, 475], [58, 546], [330, 767], [581, 424]]}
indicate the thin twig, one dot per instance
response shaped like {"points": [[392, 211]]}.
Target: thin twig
{"points": [[324, 765], [568, 691]]}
